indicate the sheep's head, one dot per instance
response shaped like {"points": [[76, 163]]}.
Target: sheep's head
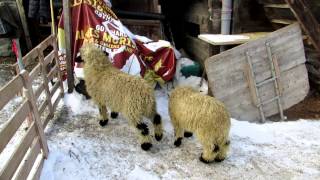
{"points": [[93, 56]]}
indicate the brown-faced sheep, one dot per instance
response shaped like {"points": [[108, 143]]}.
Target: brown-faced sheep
{"points": [[203, 115], [132, 96]]}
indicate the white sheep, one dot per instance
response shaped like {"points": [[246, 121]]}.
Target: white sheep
{"points": [[132, 96], [204, 116]]}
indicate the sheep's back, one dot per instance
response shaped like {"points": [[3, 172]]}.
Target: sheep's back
{"points": [[119, 90], [199, 111]]}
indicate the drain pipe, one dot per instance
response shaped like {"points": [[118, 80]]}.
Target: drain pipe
{"points": [[226, 12]]}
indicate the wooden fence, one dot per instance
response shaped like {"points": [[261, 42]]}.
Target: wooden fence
{"points": [[33, 144]]}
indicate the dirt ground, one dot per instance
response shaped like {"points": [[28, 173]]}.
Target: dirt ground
{"points": [[309, 108]]}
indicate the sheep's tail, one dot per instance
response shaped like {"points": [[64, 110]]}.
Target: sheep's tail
{"points": [[156, 120]]}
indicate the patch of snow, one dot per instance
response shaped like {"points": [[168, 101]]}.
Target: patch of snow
{"points": [[177, 54], [191, 81], [218, 38], [139, 174], [143, 39], [132, 66], [154, 46], [79, 72], [78, 104], [194, 82]]}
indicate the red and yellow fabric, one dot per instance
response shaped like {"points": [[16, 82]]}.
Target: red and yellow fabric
{"points": [[93, 21]]}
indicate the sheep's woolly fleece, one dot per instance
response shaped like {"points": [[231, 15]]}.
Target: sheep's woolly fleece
{"points": [[203, 115]]}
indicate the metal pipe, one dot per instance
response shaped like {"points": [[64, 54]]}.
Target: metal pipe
{"points": [[226, 12]]}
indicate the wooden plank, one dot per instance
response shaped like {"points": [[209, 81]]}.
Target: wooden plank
{"points": [[48, 59], [46, 121], [236, 23], [240, 104], [227, 77], [220, 39], [43, 107], [13, 124], [54, 88], [31, 55], [46, 43], [283, 21], [282, 6], [35, 72], [307, 21], [46, 80], [55, 104], [251, 84], [58, 63], [10, 90], [10, 167], [198, 49], [39, 91], [278, 74], [28, 162], [33, 105], [52, 72], [38, 167], [67, 30]]}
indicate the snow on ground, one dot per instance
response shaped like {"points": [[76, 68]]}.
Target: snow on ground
{"points": [[81, 149]]}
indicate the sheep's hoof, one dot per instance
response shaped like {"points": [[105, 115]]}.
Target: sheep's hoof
{"points": [[103, 122], [158, 137], [114, 115], [219, 160], [146, 146], [203, 160], [177, 142], [187, 134]]}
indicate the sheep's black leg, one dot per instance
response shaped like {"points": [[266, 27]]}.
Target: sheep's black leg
{"points": [[178, 134], [103, 115], [114, 115], [177, 142], [210, 151], [187, 134], [144, 136], [158, 130], [81, 89]]}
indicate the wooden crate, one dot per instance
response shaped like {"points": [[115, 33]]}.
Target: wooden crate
{"points": [[229, 83]]}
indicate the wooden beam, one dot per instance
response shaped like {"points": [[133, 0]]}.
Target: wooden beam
{"points": [[13, 124], [24, 23], [67, 32], [29, 93], [307, 21], [10, 90]]}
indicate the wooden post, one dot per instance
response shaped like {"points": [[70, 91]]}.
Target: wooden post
{"points": [[236, 29], [55, 48], [67, 32], [24, 23], [45, 81], [29, 93], [307, 21]]}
